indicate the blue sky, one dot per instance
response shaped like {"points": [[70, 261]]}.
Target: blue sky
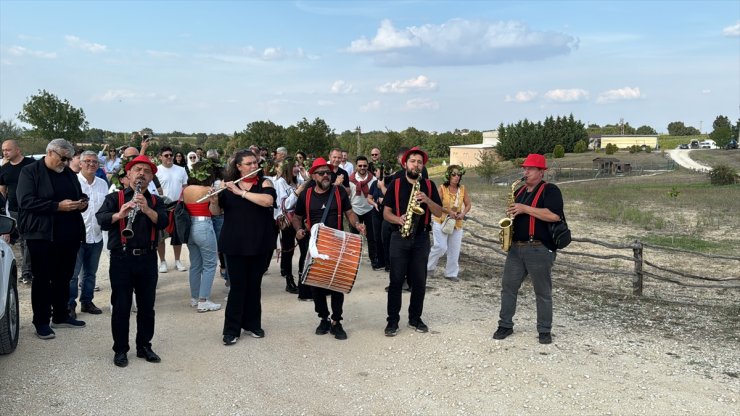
{"points": [[198, 66]]}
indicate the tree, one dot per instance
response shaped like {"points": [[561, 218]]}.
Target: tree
{"points": [[722, 131], [315, 138], [558, 152], [646, 130], [580, 147], [677, 128], [52, 118], [9, 130], [262, 133]]}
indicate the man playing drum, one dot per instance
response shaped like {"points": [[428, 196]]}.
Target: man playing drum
{"points": [[324, 203]]}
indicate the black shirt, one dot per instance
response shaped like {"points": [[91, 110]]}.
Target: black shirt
{"points": [[402, 173], [249, 229], [9, 174], [318, 204], [142, 225], [552, 199], [65, 222], [404, 190]]}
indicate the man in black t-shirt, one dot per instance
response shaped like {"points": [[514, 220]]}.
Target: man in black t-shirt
{"points": [[409, 254], [321, 195], [9, 173], [532, 251]]}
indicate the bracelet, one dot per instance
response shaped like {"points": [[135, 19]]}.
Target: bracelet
{"points": [[244, 194]]}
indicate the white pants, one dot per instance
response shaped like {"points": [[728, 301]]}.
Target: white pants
{"points": [[445, 243]]}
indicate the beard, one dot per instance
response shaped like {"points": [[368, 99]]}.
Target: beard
{"points": [[413, 174], [324, 184]]}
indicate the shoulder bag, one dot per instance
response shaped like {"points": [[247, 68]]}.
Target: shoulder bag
{"points": [[448, 225]]}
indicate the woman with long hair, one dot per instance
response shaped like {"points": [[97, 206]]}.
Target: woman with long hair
{"points": [[202, 240], [247, 237], [287, 191], [180, 161], [456, 204]]}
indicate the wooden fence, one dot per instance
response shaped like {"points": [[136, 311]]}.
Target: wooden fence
{"points": [[726, 267]]}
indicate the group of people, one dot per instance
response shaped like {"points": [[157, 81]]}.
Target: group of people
{"points": [[64, 216]]}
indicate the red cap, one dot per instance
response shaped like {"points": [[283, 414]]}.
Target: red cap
{"points": [[535, 161], [141, 159], [318, 163], [417, 150]]}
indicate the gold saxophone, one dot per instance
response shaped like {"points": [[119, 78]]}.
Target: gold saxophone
{"points": [[412, 209], [507, 233]]}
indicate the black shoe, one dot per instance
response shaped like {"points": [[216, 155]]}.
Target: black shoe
{"points": [[45, 332], [545, 338], [419, 325], [72, 311], [502, 332], [120, 359], [391, 330], [290, 286], [388, 268], [255, 333], [148, 354], [90, 308], [69, 323], [338, 332], [27, 280], [305, 299], [230, 339], [376, 267], [323, 327]]}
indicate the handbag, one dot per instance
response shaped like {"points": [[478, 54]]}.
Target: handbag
{"points": [[560, 233], [284, 220], [182, 221], [448, 225]]}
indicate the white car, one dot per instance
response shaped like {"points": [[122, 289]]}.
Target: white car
{"points": [[9, 312]]}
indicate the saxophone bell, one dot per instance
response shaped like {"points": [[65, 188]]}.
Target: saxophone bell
{"points": [[506, 234]]}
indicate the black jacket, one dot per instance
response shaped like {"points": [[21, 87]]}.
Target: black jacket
{"points": [[36, 205]]}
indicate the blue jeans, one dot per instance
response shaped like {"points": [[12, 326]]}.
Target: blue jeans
{"points": [[535, 261], [203, 258], [88, 257], [218, 223]]}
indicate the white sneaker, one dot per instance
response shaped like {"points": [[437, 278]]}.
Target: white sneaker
{"points": [[179, 266], [208, 306], [163, 267], [193, 302]]}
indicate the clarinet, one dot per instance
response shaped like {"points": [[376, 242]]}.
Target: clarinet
{"points": [[128, 232]]}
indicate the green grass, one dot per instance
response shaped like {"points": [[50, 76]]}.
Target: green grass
{"points": [[690, 243], [668, 142], [715, 157]]}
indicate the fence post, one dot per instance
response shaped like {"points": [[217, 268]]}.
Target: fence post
{"points": [[637, 278]]}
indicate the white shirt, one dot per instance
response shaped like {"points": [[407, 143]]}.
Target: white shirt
{"points": [[359, 202], [348, 166], [285, 193], [172, 179], [96, 192]]}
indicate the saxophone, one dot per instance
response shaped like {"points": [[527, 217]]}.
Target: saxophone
{"points": [[507, 233], [412, 209]]}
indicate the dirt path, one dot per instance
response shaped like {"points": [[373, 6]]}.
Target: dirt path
{"points": [[593, 366], [683, 158]]}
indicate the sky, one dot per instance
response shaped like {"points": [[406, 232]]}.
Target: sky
{"points": [[216, 66]]}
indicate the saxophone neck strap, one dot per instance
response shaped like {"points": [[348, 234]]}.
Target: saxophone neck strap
{"points": [[534, 204]]}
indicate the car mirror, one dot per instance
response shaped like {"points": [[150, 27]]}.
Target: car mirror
{"points": [[7, 224]]}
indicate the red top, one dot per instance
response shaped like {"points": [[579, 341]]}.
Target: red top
{"points": [[198, 209]]}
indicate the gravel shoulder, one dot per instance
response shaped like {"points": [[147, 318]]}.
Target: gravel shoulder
{"points": [[605, 359]]}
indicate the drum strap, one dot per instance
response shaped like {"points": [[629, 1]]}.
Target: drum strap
{"points": [[326, 209]]}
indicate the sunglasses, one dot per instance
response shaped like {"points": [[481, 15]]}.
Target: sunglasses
{"points": [[455, 174], [362, 166], [192, 158], [167, 155], [374, 154], [64, 159], [323, 173]]}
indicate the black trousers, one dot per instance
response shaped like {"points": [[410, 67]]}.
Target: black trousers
{"points": [[244, 307], [52, 265], [304, 292], [321, 307], [129, 275], [377, 241], [408, 259], [367, 219], [287, 248], [386, 230]]}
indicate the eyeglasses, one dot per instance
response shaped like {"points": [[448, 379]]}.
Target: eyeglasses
{"points": [[361, 166], [455, 174], [169, 155], [323, 173], [90, 162], [64, 159]]}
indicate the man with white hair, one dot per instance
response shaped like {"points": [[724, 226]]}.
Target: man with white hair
{"points": [[280, 154]]}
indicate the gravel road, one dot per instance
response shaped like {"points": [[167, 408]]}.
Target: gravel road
{"points": [[594, 366], [683, 158]]}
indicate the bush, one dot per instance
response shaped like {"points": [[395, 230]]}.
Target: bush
{"points": [[580, 147], [634, 149], [489, 166], [558, 152], [611, 149], [722, 175], [648, 149]]}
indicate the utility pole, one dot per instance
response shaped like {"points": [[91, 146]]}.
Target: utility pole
{"points": [[357, 153]]}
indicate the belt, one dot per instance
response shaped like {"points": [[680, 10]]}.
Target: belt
{"points": [[199, 218], [131, 251], [527, 243]]}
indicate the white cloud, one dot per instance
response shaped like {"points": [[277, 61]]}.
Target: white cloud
{"points": [[462, 42], [162, 54], [732, 31], [342, 87], [76, 42], [133, 96], [567, 96], [325, 103], [371, 106], [521, 97], [21, 51], [620, 94], [706, 91], [420, 83], [421, 104], [272, 54]]}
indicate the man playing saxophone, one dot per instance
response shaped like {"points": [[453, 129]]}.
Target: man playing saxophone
{"points": [[133, 259], [532, 250], [407, 205]]}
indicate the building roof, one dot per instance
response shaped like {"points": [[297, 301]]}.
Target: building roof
{"points": [[473, 146]]}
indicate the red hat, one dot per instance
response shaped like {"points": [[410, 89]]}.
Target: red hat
{"points": [[318, 163], [416, 150], [141, 159], [535, 161]]}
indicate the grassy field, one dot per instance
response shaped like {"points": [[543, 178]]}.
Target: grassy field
{"points": [[718, 156], [667, 142]]}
